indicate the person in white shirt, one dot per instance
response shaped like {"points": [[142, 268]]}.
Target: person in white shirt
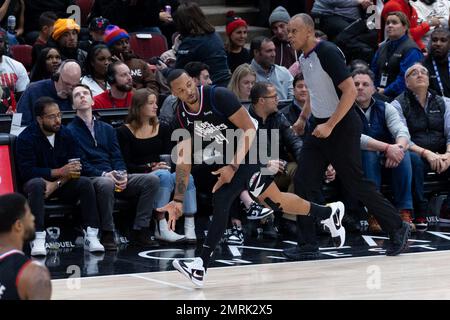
{"points": [[13, 74], [428, 9], [97, 61]]}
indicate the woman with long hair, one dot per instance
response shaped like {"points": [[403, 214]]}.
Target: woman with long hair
{"points": [[242, 81], [200, 42], [143, 141], [95, 67], [236, 30], [46, 65]]}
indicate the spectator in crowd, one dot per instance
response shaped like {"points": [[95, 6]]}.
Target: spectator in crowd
{"points": [[416, 30], [118, 76], [438, 62], [117, 40], [97, 28], [43, 152], [13, 74], [102, 161], [242, 81], [429, 10], [427, 116], [293, 110], [59, 87], [263, 63], [199, 72], [335, 16], [236, 30], [384, 144], [264, 109], [394, 56], [65, 38], [200, 42], [34, 9], [95, 69], [20, 277], [285, 55], [46, 64], [143, 139], [15, 8], [46, 22]]}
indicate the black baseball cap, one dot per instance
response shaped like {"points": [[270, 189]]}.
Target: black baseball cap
{"points": [[98, 24]]}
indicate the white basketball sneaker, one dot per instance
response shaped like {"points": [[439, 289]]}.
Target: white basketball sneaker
{"points": [[334, 223], [38, 244], [91, 241], [193, 270]]}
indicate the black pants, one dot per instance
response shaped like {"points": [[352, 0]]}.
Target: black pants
{"points": [[342, 150], [222, 202], [76, 189]]}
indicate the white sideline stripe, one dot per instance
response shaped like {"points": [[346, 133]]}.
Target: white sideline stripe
{"points": [[162, 282], [265, 264]]}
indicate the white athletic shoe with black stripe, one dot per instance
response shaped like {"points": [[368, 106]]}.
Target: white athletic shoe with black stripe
{"points": [[193, 270], [334, 223], [257, 211]]}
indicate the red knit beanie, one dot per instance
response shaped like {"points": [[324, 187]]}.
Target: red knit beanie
{"points": [[234, 22]]}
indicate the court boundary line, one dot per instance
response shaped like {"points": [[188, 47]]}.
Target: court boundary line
{"points": [[262, 264]]}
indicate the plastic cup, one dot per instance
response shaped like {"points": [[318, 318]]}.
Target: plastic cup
{"points": [[166, 158], [120, 175], [75, 175]]}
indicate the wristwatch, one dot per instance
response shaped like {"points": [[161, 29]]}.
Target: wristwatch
{"points": [[58, 183]]}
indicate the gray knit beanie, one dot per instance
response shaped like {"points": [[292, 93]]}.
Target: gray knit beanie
{"points": [[279, 14]]}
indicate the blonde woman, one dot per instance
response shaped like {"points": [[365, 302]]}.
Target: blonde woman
{"points": [[242, 81]]}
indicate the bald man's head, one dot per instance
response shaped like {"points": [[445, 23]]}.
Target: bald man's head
{"points": [[69, 76], [301, 31], [305, 19]]}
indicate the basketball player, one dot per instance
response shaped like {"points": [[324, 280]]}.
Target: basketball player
{"points": [[20, 278], [208, 113]]}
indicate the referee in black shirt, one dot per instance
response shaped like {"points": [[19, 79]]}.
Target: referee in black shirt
{"points": [[335, 132]]}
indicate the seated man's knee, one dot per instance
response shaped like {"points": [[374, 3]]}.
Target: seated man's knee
{"points": [[36, 185], [104, 184], [149, 181], [85, 182]]}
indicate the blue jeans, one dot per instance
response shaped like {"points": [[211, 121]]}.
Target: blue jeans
{"points": [[420, 168], [401, 177], [167, 185]]}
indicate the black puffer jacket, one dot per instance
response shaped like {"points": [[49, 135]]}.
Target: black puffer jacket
{"points": [[289, 142]]}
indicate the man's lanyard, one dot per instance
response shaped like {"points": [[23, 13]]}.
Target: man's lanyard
{"points": [[438, 77]]}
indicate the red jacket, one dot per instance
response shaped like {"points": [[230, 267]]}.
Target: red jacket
{"points": [[106, 101], [417, 30]]}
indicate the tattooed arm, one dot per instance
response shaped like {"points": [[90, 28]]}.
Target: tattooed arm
{"points": [[183, 170]]}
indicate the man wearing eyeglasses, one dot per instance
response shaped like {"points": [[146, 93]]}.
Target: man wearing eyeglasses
{"points": [[427, 116], [59, 88], [42, 157]]}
